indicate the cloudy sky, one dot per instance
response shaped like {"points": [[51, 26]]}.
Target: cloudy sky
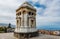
{"points": [[48, 11]]}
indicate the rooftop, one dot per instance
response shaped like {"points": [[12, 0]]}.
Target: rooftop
{"points": [[27, 5], [11, 36]]}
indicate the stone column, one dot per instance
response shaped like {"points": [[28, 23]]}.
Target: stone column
{"points": [[16, 26], [35, 22], [16, 23], [29, 22], [34, 25], [22, 20], [25, 20]]}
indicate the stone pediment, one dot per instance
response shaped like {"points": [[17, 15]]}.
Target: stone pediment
{"points": [[26, 5]]}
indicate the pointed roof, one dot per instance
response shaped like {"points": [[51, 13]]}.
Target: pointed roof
{"points": [[27, 5]]}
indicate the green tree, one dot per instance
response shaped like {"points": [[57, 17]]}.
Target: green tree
{"points": [[5, 29], [9, 25]]}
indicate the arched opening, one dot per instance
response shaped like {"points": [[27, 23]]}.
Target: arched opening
{"points": [[24, 11], [17, 23], [20, 20], [29, 13], [32, 22], [20, 13]]}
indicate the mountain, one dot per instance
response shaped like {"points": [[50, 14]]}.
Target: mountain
{"points": [[5, 24]]}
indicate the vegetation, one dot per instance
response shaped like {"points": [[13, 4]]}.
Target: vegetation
{"points": [[4, 29], [9, 25]]}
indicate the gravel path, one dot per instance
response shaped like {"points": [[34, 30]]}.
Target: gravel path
{"points": [[11, 36]]}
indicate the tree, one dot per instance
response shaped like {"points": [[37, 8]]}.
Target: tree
{"points": [[9, 25], [5, 29]]}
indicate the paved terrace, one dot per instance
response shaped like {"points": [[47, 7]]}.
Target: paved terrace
{"points": [[11, 36]]}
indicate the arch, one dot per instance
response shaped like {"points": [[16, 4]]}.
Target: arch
{"points": [[30, 13], [32, 22], [17, 22], [20, 13], [20, 20], [24, 11]]}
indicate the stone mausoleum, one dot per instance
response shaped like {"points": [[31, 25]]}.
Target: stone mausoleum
{"points": [[25, 22]]}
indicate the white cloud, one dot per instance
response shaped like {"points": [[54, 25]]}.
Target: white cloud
{"points": [[54, 9], [42, 21], [8, 10], [47, 3], [44, 16], [51, 15], [34, 0]]}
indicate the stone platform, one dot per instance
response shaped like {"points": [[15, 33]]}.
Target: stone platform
{"points": [[26, 35], [41, 36]]}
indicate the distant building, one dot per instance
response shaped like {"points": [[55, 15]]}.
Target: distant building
{"points": [[10, 30], [56, 32], [26, 21]]}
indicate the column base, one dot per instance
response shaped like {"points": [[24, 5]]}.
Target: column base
{"points": [[26, 35]]}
